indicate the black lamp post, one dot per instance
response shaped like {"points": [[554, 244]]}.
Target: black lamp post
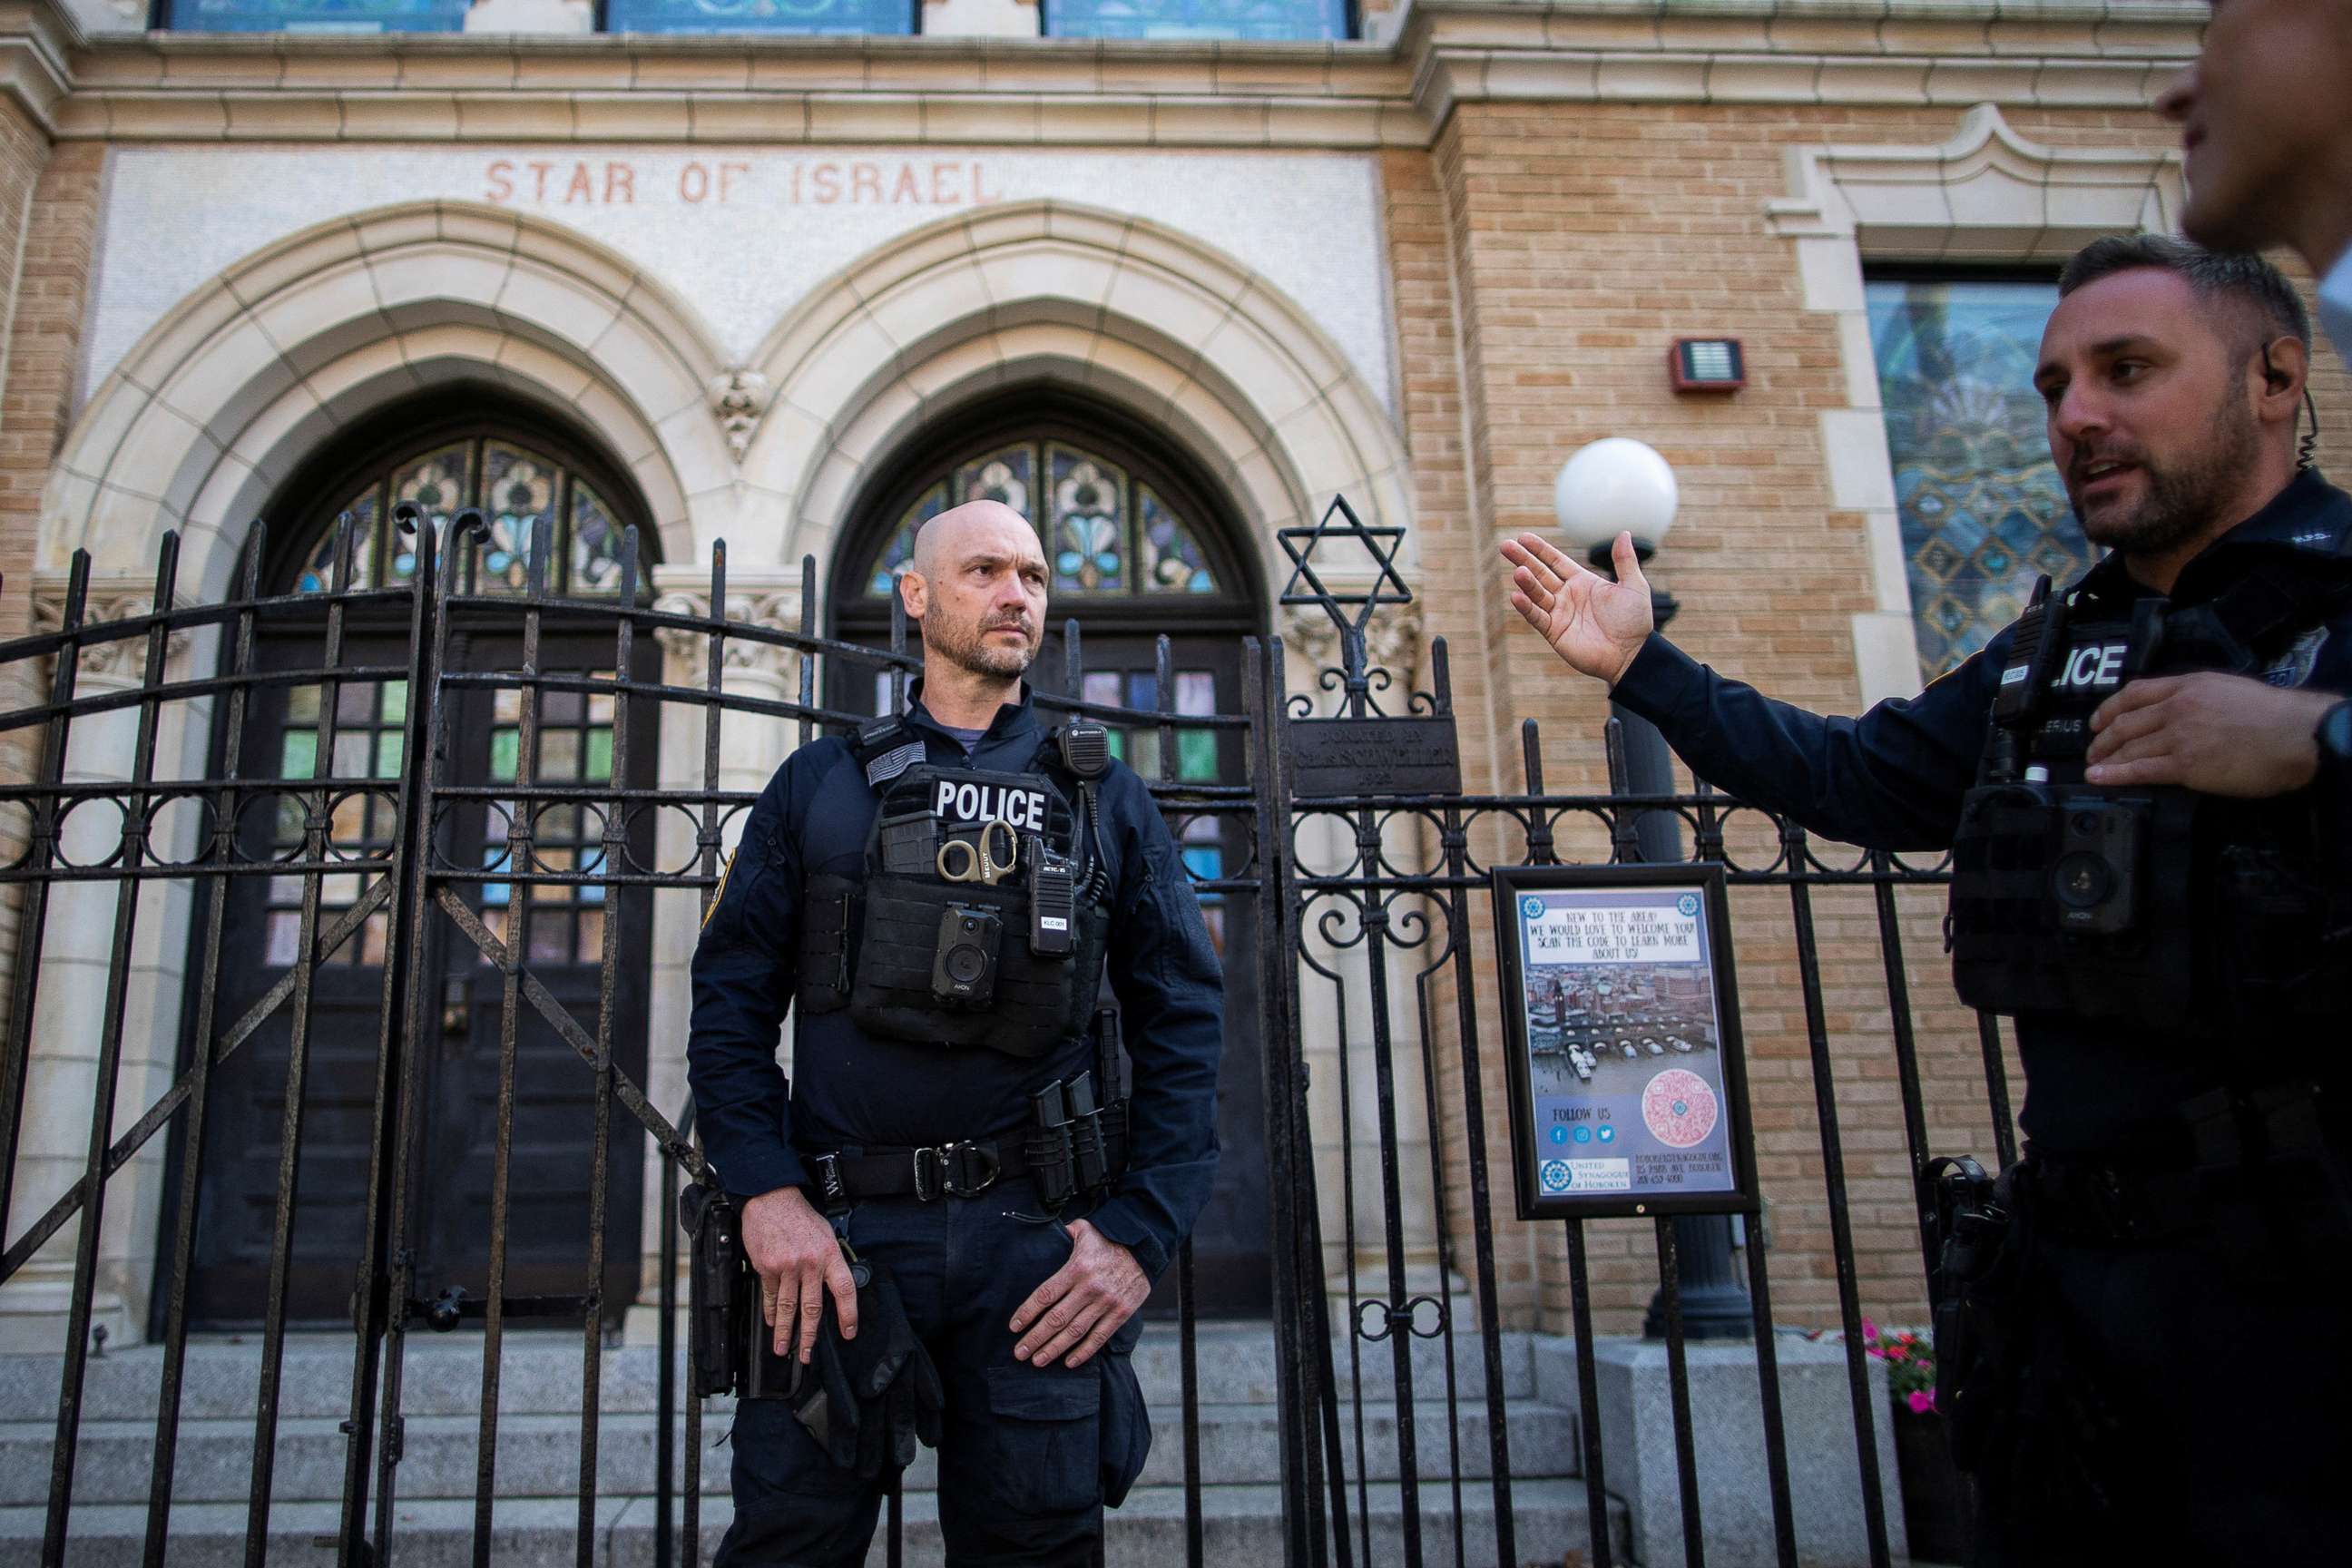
{"points": [[1618, 483]]}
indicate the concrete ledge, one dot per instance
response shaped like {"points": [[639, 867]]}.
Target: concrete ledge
{"points": [[1637, 1445]]}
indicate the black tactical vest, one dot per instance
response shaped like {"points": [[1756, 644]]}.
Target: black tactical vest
{"points": [[933, 942], [2152, 906]]}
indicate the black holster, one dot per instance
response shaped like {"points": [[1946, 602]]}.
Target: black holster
{"points": [[719, 1289], [1975, 1290]]}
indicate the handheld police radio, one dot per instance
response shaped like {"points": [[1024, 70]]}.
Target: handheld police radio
{"points": [[2033, 657], [1053, 901]]}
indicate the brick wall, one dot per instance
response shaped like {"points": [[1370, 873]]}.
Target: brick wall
{"points": [[1581, 240]]}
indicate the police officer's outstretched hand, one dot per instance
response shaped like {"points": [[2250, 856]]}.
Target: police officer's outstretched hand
{"points": [[799, 1262], [1082, 1303], [1596, 625]]}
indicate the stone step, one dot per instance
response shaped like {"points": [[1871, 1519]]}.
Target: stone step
{"points": [[538, 1456], [1242, 1529], [539, 1375]]}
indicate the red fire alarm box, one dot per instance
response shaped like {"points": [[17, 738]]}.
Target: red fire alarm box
{"points": [[1708, 364]]}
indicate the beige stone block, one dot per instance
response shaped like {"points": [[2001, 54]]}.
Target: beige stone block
{"points": [[399, 115], [1262, 72], [995, 119], [2173, 39], [912, 66], [1046, 271], [1718, 35], [1267, 377], [1599, 32], [233, 490], [221, 71], [657, 375], [630, 117], [1339, 124], [439, 271], [1661, 79], [555, 375], [542, 65], [1405, 126], [486, 64], [1158, 73], [827, 503], [1272, 492], [1219, 414], [1059, 346], [280, 116], [1318, 451], [751, 118], [466, 224], [1873, 81], [1237, 123], [279, 430], [1165, 303], [1905, 33], [846, 363], [872, 434], [1088, 121], [784, 446], [2044, 37], [508, 117], [1979, 82], [1087, 228], [1034, 66], [2118, 84], [974, 362], [810, 66], [714, 69], [895, 117], [1114, 360], [1860, 474], [697, 456], [620, 424], [916, 310], [1765, 80], [1282, 318], [81, 118], [322, 303], [556, 301]]}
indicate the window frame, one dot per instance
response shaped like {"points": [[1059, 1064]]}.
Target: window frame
{"points": [[159, 20], [1351, 23]]}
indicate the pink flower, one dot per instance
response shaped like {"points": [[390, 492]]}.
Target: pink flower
{"points": [[1869, 1329], [1920, 1400]]}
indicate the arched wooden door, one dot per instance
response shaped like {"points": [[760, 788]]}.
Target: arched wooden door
{"points": [[1139, 546], [525, 473]]}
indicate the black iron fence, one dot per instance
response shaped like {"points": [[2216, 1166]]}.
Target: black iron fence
{"points": [[472, 772]]}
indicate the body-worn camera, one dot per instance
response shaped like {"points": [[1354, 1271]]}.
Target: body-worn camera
{"points": [[963, 964], [2094, 885]]}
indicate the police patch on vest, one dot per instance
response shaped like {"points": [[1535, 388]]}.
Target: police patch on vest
{"points": [[970, 801], [2092, 666], [2294, 666]]}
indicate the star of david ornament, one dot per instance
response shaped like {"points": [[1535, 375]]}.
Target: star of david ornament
{"points": [[1340, 528]]}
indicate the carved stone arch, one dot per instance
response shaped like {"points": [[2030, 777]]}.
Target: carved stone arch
{"points": [[1987, 195], [1173, 329], [215, 406]]}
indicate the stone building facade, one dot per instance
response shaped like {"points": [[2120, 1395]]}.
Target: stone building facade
{"points": [[779, 290]]}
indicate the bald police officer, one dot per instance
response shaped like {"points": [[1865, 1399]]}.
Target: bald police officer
{"points": [[937, 895]]}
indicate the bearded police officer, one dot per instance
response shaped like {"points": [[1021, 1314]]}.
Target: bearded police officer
{"points": [[937, 896], [2146, 784]]}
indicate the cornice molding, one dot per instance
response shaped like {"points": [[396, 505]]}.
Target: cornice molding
{"points": [[743, 90]]}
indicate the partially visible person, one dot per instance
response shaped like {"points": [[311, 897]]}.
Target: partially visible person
{"points": [[2265, 115], [2147, 784]]}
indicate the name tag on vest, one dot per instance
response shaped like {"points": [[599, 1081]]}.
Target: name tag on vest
{"points": [[2091, 667], [1021, 807]]}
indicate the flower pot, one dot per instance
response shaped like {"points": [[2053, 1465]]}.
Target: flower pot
{"points": [[1935, 1493]]}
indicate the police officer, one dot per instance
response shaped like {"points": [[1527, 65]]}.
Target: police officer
{"points": [[2171, 939], [938, 896]]}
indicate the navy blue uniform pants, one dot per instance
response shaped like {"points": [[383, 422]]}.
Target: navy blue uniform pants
{"points": [[1025, 1452], [2183, 1399]]}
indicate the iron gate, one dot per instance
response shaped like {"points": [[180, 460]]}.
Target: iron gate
{"points": [[1362, 935]]}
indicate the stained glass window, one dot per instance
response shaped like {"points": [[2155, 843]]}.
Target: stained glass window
{"points": [[759, 17], [1196, 18], [1106, 532], [575, 747], [315, 16], [621, 15], [1983, 510], [521, 489]]}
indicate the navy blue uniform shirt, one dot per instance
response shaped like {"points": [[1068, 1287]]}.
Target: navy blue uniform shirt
{"points": [[1894, 779], [850, 1088]]}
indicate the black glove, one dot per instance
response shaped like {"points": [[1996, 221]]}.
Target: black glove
{"points": [[867, 1401]]}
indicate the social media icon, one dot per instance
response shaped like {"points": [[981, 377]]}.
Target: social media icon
{"points": [[1584, 1134], [1559, 1134], [1609, 1135]]}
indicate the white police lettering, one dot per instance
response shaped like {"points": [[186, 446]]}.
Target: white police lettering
{"points": [[1023, 808], [2102, 664]]}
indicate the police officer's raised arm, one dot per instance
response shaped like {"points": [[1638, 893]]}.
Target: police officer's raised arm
{"points": [[1891, 779], [1171, 1015], [743, 980]]}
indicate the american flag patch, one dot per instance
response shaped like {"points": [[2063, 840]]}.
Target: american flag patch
{"points": [[892, 763]]}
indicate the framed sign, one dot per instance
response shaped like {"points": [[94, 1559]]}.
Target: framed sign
{"points": [[1629, 1091]]}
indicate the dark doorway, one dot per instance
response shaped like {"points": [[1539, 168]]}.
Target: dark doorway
{"points": [[1139, 546], [525, 476]]}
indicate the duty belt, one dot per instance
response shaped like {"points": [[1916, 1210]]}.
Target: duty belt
{"points": [[964, 1169]]}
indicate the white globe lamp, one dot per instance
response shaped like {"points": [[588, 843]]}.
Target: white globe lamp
{"points": [[1612, 485]]}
